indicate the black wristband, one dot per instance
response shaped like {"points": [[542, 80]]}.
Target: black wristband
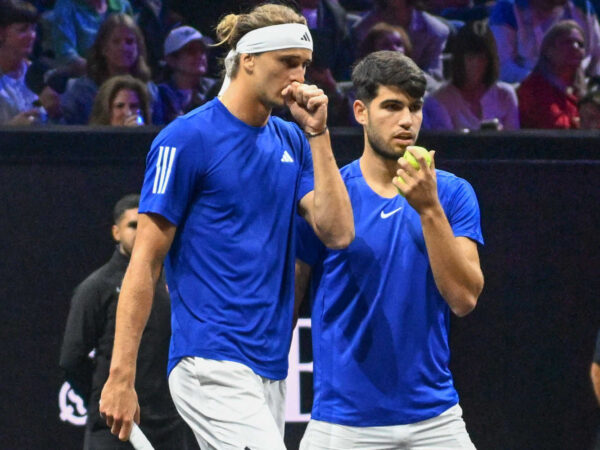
{"points": [[319, 133]]}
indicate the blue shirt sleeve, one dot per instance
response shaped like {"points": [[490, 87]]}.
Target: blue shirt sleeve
{"points": [[308, 246], [463, 213], [174, 169]]}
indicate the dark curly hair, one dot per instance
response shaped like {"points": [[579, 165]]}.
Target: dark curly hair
{"points": [[387, 68]]}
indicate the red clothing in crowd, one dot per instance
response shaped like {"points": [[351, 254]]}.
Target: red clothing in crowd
{"points": [[544, 105]]}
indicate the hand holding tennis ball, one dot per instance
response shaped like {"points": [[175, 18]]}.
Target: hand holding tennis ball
{"points": [[408, 156], [418, 151]]}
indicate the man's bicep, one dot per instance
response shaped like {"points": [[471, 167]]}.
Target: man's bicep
{"points": [[469, 250], [154, 238], [305, 208]]}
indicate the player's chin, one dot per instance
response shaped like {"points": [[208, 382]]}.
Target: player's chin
{"points": [[278, 102], [397, 150]]}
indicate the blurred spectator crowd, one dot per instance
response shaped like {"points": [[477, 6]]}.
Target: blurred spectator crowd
{"points": [[502, 65]]}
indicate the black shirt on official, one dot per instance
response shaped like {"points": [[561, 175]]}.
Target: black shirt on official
{"points": [[91, 326]]}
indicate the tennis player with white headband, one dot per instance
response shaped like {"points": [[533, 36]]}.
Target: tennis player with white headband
{"points": [[223, 185]]}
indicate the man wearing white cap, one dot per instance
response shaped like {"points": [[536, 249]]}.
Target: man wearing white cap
{"points": [[223, 186], [186, 87]]}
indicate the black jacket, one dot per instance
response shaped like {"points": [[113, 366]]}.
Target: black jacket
{"points": [[91, 326]]}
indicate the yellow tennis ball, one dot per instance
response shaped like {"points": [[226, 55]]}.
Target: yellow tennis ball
{"points": [[419, 151], [413, 162]]}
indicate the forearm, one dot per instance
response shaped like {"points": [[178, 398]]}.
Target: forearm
{"points": [[133, 310], [332, 217], [458, 277], [595, 376]]}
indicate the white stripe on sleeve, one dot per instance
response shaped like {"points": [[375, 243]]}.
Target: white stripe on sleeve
{"points": [[164, 186], [157, 175]]}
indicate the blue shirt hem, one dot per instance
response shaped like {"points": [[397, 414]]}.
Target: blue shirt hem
{"points": [[389, 420], [271, 375]]}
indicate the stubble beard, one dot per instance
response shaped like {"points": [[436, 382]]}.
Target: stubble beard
{"points": [[380, 147]]}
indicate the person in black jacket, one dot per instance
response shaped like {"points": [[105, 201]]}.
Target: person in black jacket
{"points": [[90, 331]]}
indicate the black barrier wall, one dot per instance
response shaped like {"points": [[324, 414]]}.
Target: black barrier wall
{"points": [[521, 359]]}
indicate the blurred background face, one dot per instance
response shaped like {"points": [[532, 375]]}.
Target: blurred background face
{"points": [[475, 67], [390, 41], [190, 60], [125, 229], [567, 50], [125, 104], [121, 49], [18, 37]]}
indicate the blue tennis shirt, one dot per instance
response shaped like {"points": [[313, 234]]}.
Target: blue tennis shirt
{"points": [[232, 191], [379, 323]]}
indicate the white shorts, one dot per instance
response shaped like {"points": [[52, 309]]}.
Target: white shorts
{"points": [[228, 406], [446, 431]]}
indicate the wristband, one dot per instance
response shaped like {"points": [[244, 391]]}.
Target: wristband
{"points": [[313, 135]]}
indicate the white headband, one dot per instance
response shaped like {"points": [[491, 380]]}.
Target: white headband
{"points": [[267, 39]]}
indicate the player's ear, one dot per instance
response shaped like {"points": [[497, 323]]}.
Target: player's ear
{"points": [[247, 62], [361, 114], [115, 233]]}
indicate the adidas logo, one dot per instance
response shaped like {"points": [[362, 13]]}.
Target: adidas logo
{"points": [[286, 158], [305, 37]]}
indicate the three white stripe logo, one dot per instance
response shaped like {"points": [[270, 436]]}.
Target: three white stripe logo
{"points": [[164, 163]]}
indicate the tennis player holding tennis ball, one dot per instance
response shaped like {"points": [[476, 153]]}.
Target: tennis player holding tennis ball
{"points": [[381, 307]]}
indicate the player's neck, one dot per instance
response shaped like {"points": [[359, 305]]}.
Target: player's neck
{"points": [[378, 173], [245, 106]]}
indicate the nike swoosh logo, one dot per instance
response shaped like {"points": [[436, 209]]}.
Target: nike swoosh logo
{"points": [[385, 215]]}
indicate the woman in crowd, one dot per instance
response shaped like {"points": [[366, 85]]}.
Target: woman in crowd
{"points": [[121, 101], [548, 96], [427, 33], [473, 98], [74, 26], [18, 104], [186, 87], [119, 49], [383, 36]]}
